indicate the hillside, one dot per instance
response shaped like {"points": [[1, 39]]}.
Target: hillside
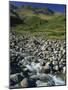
{"points": [[37, 21]]}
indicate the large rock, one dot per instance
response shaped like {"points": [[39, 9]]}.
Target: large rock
{"points": [[15, 78], [46, 68], [24, 83], [56, 68]]}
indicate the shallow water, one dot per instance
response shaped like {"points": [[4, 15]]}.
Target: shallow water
{"points": [[57, 80], [44, 79]]}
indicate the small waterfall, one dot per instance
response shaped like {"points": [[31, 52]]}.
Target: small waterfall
{"points": [[34, 67]]}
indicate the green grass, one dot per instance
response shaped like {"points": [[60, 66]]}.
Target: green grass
{"points": [[50, 27]]}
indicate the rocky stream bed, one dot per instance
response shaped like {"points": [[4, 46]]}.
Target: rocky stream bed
{"points": [[36, 62]]}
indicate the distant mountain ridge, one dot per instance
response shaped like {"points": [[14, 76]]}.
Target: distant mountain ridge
{"points": [[35, 10], [15, 14]]}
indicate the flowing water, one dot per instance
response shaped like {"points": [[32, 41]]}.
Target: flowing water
{"points": [[44, 79], [57, 80]]}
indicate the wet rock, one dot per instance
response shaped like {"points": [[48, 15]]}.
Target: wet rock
{"points": [[15, 78], [46, 68], [24, 83], [32, 82], [15, 86], [56, 68]]}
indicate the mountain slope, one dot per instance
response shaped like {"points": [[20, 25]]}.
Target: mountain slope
{"points": [[38, 22]]}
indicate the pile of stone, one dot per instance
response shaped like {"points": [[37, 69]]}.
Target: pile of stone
{"points": [[31, 57]]}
